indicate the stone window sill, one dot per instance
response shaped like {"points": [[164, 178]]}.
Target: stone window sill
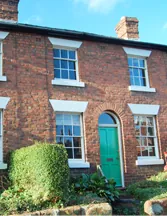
{"points": [[3, 78], [3, 165], [73, 83], [78, 164], [143, 162], [141, 89]]}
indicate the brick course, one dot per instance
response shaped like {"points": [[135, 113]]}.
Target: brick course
{"points": [[28, 65]]}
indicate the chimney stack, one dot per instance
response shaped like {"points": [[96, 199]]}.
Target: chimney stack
{"points": [[9, 10], [127, 28]]}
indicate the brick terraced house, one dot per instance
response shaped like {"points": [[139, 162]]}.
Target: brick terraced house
{"points": [[103, 98]]}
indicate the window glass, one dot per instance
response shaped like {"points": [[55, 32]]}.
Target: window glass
{"points": [[64, 64], [105, 118], [68, 133], [145, 136], [137, 71]]}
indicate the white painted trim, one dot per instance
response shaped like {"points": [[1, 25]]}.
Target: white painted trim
{"points": [[3, 78], [143, 162], [3, 102], [65, 43], [8, 21], [141, 89], [3, 166], [62, 82], [3, 35], [68, 106], [120, 146], [78, 164], [137, 52], [144, 109]]}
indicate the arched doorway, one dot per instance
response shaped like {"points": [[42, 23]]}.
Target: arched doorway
{"points": [[110, 147]]}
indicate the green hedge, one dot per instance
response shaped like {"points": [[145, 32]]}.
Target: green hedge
{"points": [[42, 170]]}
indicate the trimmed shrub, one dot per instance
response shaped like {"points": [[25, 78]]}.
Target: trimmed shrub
{"points": [[42, 170]]}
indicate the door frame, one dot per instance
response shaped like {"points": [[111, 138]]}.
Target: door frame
{"points": [[118, 126]]}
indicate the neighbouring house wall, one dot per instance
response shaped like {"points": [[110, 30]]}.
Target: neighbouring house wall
{"points": [[28, 65]]}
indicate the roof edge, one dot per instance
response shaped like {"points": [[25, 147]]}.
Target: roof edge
{"points": [[60, 33]]}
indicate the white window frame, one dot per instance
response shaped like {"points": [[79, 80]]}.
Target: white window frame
{"points": [[81, 136], [140, 54], [67, 45], [3, 103], [3, 35], [147, 110], [76, 107], [154, 137]]}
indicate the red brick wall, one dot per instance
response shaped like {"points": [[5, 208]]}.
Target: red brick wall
{"points": [[28, 65]]}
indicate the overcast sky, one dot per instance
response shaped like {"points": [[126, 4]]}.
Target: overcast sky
{"points": [[98, 16]]}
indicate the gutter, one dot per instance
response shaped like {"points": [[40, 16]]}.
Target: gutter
{"points": [[76, 35]]}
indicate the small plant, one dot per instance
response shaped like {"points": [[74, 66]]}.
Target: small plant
{"points": [[97, 184]]}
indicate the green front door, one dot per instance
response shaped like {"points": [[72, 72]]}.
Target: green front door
{"points": [[109, 153]]}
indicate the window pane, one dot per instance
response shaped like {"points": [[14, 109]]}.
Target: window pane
{"points": [[132, 80], [136, 120], [67, 119], [76, 119], [59, 130], [68, 130], [143, 120], [59, 119], [150, 131], [56, 73], [137, 130], [72, 54], [64, 54], [135, 72], [69, 152], [141, 73], [150, 121], [56, 53], [64, 74], [150, 141], [143, 141], [76, 131], [131, 71], [151, 151], [138, 141], [138, 151], [77, 141], [72, 65], [141, 62], [144, 151], [72, 75], [143, 81], [68, 141], [59, 140], [77, 153], [106, 119], [64, 64], [130, 61], [135, 62], [56, 63], [143, 131], [137, 82]]}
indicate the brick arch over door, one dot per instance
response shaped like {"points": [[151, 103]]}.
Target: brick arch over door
{"points": [[119, 112]]}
